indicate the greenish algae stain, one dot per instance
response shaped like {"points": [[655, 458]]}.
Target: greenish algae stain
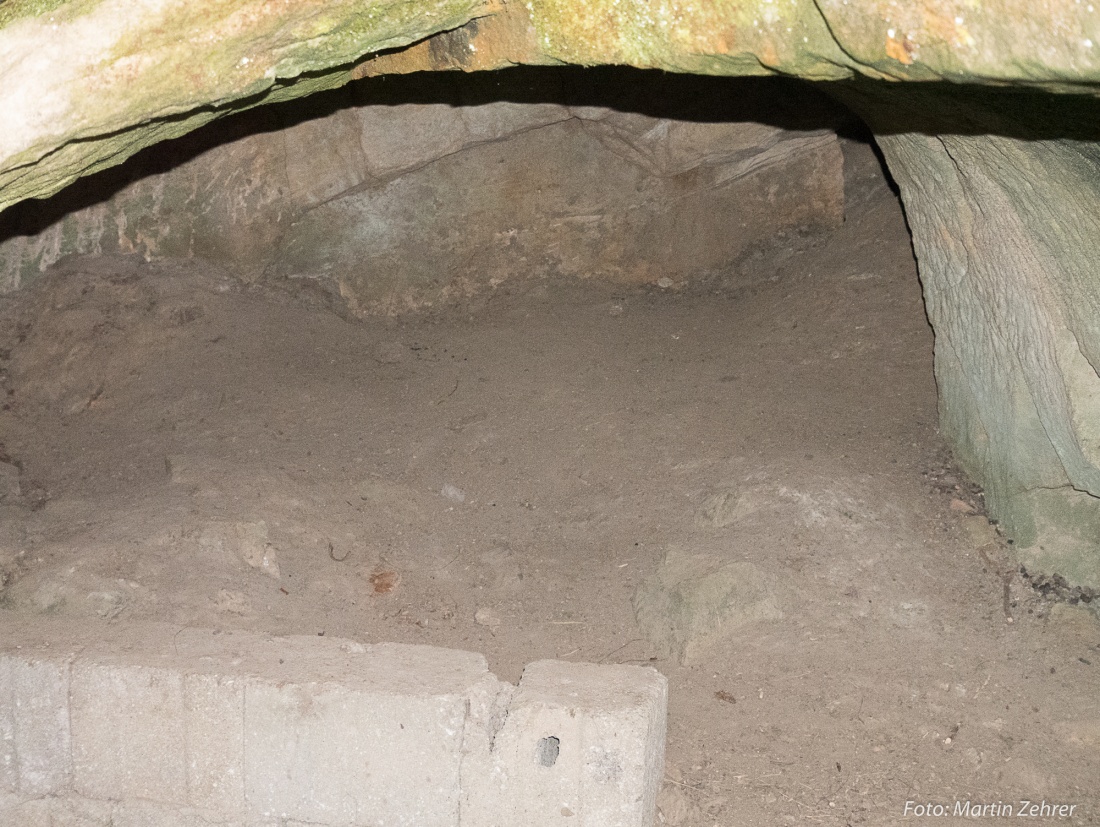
{"points": [[195, 78], [724, 37], [12, 10], [823, 40]]}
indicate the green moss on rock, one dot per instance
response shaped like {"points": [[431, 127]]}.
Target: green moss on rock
{"points": [[179, 68], [723, 37], [62, 10]]}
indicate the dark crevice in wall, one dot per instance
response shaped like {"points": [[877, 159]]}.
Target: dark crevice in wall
{"points": [[954, 109]]}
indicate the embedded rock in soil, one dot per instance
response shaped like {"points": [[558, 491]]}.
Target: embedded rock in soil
{"points": [[72, 591], [246, 541], [694, 601]]}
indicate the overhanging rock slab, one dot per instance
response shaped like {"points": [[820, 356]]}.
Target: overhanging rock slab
{"points": [[196, 727]]}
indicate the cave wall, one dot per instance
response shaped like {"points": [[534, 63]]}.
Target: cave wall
{"points": [[392, 197], [1001, 190], [88, 83], [1003, 220]]}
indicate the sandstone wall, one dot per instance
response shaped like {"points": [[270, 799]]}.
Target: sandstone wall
{"points": [[1001, 195], [395, 195]]}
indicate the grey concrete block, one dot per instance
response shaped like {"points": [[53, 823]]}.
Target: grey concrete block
{"points": [[128, 732], [214, 725], [384, 749], [488, 712], [9, 767], [40, 691], [583, 746], [34, 725], [78, 811], [51, 811], [189, 728], [151, 814]]}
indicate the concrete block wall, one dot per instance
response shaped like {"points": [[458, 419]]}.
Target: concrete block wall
{"points": [[187, 728]]}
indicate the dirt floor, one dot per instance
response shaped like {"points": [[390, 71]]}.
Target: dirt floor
{"points": [[502, 476]]}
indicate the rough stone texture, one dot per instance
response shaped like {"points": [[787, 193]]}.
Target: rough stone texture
{"points": [[394, 204], [1007, 237], [390, 756], [185, 728], [35, 755], [77, 811], [89, 82], [213, 714], [9, 759], [1012, 40], [557, 202], [69, 811]]}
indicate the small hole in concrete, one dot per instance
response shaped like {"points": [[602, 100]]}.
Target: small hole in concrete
{"points": [[546, 752]]}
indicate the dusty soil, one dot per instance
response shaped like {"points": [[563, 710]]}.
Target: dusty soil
{"points": [[501, 475]]}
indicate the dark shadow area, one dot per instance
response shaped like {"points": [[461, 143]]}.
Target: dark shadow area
{"points": [[953, 109]]}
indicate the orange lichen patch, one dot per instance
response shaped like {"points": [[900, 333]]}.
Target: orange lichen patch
{"points": [[706, 30], [769, 56], [976, 41], [505, 38], [946, 27], [724, 41], [900, 50]]}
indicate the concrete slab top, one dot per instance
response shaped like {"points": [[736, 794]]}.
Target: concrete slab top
{"points": [[384, 667]]}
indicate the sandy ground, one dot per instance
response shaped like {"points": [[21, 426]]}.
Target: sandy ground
{"points": [[503, 474]]}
